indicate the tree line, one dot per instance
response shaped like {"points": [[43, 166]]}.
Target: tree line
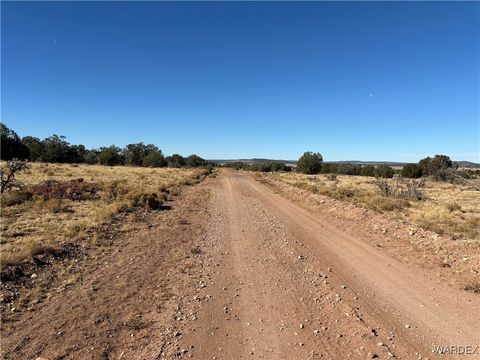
{"points": [[439, 167], [56, 149]]}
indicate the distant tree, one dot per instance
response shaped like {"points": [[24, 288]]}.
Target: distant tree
{"points": [[11, 145], [56, 149], [412, 171], [367, 170], [175, 161], [310, 163], [76, 154], [111, 156], [237, 165], [279, 166], [154, 158], [348, 169], [329, 168], [431, 166], [195, 161], [91, 157], [35, 146], [134, 154], [384, 171]]}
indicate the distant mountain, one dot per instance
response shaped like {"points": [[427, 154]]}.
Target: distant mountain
{"points": [[464, 164], [359, 162], [467, 164]]}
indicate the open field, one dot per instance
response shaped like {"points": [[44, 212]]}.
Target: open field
{"points": [[40, 218], [444, 208], [244, 266]]}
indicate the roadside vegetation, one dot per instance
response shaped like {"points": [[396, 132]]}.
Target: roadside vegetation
{"points": [[433, 193], [60, 202], [445, 208], [66, 192]]}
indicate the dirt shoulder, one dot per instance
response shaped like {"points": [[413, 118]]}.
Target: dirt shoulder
{"points": [[452, 261], [125, 299]]}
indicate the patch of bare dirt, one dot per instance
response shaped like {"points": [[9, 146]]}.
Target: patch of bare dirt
{"points": [[118, 298]]}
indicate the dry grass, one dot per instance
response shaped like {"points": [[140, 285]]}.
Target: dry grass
{"points": [[446, 208], [32, 225]]}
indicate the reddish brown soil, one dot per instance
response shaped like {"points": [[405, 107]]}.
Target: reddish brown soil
{"points": [[236, 270]]}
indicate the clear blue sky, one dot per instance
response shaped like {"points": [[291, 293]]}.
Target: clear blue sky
{"points": [[367, 81]]}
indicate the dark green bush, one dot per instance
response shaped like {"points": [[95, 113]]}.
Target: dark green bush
{"points": [[384, 171], [412, 171], [154, 159], [431, 166], [176, 161], [110, 156], [348, 169], [328, 168], [310, 163], [367, 170]]}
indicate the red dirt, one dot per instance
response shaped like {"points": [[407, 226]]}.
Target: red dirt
{"points": [[237, 271]]}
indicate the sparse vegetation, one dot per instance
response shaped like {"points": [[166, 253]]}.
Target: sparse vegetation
{"points": [[48, 211], [445, 208]]}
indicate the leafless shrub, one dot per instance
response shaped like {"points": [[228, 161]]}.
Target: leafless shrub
{"points": [[8, 172], [402, 189]]}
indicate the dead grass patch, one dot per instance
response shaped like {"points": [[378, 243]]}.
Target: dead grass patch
{"points": [[55, 210]]}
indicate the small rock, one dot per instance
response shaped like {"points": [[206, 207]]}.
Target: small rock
{"points": [[34, 276], [302, 326]]}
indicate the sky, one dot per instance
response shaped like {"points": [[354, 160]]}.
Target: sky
{"points": [[394, 81]]}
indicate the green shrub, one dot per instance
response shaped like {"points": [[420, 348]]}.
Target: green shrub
{"points": [[154, 159], [111, 156], [412, 171], [367, 170], [431, 166], [348, 169], [328, 168], [176, 161], [384, 171], [310, 163]]}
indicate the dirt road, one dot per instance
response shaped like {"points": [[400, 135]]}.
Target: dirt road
{"points": [[237, 271], [286, 284]]}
